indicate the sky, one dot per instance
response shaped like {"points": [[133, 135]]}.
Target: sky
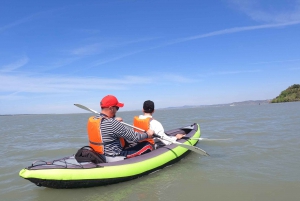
{"points": [[183, 52]]}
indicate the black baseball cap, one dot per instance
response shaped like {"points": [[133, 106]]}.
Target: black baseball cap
{"points": [[148, 106]]}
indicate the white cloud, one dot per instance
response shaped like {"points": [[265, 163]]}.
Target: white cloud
{"points": [[235, 30], [228, 72], [264, 11], [87, 50], [16, 23], [102, 47], [274, 20], [52, 84], [13, 85], [15, 65], [138, 79], [178, 78], [283, 61], [237, 72], [27, 19], [104, 61]]}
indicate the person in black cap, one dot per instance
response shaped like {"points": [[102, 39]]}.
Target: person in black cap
{"points": [[146, 121], [148, 106]]}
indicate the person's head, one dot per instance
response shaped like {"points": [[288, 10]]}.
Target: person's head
{"points": [[148, 106], [110, 105]]}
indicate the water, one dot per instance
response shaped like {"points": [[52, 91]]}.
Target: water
{"points": [[260, 162]]}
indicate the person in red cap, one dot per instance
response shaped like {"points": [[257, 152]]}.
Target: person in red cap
{"points": [[107, 134]]}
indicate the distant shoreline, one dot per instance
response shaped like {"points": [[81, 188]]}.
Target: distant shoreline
{"points": [[23, 114], [249, 102]]}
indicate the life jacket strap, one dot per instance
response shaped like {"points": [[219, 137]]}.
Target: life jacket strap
{"points": [[100, 144]]}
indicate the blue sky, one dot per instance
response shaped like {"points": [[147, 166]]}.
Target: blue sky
{"points": [[184, 52]]}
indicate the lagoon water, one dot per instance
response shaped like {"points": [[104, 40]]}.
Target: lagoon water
{"points": [[260, 162]]}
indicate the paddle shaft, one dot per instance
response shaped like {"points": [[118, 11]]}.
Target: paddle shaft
{"points": [[205, 139]]}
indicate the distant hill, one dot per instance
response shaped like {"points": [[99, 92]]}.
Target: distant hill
{"points": [[291, 94], [249, 102]]}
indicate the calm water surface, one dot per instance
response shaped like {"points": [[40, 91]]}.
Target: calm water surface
{"points": [[260, 162]]}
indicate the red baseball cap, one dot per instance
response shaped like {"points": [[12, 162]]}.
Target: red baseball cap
{"points": [[109, 101]]}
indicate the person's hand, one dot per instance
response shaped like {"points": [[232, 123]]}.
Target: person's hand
{"points": [[179, 136], [150, 133], [119, 119]]}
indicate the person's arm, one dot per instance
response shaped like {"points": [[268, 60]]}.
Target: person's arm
{"points": [[158, 129], [179, 136]]}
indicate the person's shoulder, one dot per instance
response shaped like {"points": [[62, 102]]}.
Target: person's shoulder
{"points": [[108, 120], [154, 121], [114, 120], [113, 123]]}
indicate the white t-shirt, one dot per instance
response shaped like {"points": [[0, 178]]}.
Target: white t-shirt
{"points": [[159, 130]]}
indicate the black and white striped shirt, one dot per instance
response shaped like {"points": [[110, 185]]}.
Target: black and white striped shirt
{"points": [[112, 130]]}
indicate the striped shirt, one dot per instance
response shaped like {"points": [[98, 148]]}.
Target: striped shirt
{"points": [[112, 130]]}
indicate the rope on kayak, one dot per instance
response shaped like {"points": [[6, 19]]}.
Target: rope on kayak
{"points": [[61, 163]]}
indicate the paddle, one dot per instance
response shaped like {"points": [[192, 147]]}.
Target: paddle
{"points": [[86, 108], [206, 139], [192, 148]]}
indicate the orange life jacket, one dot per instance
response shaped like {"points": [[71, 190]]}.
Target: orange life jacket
{"points": [[143, 124], [94, 134]]}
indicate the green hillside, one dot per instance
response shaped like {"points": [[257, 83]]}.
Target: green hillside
{"points": [[291, 94]]}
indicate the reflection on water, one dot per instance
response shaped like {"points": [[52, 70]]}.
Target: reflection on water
{"points": [[260, 162]]}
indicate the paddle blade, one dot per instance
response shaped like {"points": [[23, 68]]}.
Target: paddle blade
{"points": [[192, 148], [86, 108]]}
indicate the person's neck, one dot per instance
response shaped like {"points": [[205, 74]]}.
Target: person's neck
{"points": [[107, 113], [148, 114]]}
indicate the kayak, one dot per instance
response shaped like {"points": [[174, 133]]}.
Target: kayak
{"points": [[67, 172]]}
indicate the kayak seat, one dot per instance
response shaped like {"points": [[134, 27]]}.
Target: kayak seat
{"points": [[87, 154], [175, 132]]}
